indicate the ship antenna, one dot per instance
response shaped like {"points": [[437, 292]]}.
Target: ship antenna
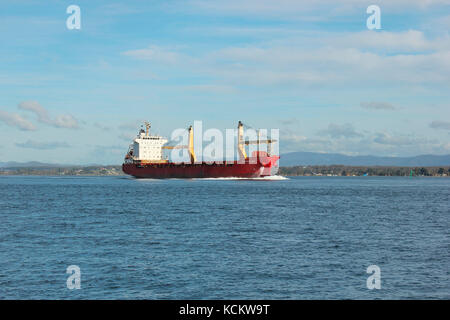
{"points": [[147, 128]]}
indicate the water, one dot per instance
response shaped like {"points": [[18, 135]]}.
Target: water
{"points": [[300, 238]]}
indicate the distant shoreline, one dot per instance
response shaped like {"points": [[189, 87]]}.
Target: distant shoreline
{"points": [[341, 170], [317, 170]]}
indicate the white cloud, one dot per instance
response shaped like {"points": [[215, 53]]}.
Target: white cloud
{"points": [[288, 135], [16, 120], [306, 10], [340, 131], [31, 144], [345, 139], [400, 140], [440, 125], [132, 125], [101, 126], [294, 66], [385, 41], [111, 9], [377, 105], [156, 54], [211, 88], [60, 121], [379, 143], [65, 121], [127, 137], [257, 65], [336, 59]]}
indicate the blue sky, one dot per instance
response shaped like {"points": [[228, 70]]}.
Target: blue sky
{"points": [[310, 68]]}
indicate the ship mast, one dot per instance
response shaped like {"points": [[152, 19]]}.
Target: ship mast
{"points": [[258, 141], [191, 145], [147, 128], [241, 146]]}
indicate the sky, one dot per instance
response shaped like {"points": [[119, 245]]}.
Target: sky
{"points": [[311, 69]]}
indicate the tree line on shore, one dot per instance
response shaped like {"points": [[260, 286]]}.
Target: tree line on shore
{"points": [[341, 170], [64, 171]]}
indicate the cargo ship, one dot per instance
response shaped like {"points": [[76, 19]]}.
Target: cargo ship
{"points": [[145, 159]]}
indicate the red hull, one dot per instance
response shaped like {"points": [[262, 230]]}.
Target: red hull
{"points": [[252, 168]]}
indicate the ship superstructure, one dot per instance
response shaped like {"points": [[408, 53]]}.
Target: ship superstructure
{"points": [[146, 148]]}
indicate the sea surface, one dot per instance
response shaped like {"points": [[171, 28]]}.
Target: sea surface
{"points": [[296, 238]]}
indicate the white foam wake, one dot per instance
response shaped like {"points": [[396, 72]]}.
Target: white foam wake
{"points": [[267, 178], [240, 178]]}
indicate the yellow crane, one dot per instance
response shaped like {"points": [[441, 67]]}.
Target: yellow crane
{"points": [[190, 147], [242, 143]]}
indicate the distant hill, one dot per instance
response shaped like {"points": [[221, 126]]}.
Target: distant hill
{"points": [[30, 164], [37, 164], [314, 158]]}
